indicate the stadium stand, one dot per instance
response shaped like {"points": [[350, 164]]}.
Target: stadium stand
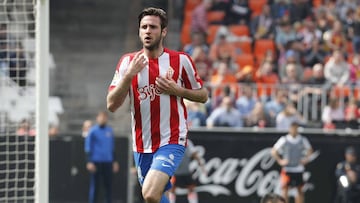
{"points": [[312, 92]]}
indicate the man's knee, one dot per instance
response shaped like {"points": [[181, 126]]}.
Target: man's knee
{"points": [[151, 197]]}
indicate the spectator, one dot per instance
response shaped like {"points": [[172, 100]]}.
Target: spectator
{"points": [[263, 26], [246, 102], [293, 82], [288, 116], [348, 24], [222, 50], [270, 57], [333, 115], [355, 70], [291, 74], [17, 65], [315, 88], [323, 19], [318, 77], [203, 63], [237, 12], [285, 33], [245, 74], [256, 117], [292, 59], [220, 93], [336, 69], [298, 10], [275, 106], [347, 174], [25, 129], [196, 116], [99, 148], [335, 38], [342, 8], [292, 152], [266, 79], [352, 114], [279, 9], [199, 21], [197, 40], [225, 115], [223, 77], [355, 31], [309, 34], [314, 54], [86, 127]]}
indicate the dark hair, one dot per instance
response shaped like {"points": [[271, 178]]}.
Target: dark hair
{"points": [[155, 12], [272, 198]]}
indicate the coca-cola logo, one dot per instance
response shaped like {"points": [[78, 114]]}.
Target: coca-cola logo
{"points": [[248, 176]]}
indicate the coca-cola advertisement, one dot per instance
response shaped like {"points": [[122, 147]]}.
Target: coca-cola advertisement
{"points": [[239, 166]]}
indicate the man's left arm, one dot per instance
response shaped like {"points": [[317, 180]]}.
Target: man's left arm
{"points": [[308, 151], [168, 86]]}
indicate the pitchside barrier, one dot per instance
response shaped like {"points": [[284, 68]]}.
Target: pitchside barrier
{"points": [[239, 167]]}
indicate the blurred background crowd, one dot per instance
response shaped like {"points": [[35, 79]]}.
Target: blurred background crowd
{"points": [[266, 63], [270, 62]]}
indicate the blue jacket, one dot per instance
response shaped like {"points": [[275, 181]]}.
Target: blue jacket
{"points": [[99, 144]]}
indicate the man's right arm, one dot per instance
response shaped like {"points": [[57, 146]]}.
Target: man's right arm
{"points": [[117, 95]]}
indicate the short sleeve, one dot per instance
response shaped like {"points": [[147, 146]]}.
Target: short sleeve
{"points": [[280, 143], [189, 73], [120, 71]]}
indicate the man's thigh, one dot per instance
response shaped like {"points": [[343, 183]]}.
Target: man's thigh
{"points": [[160, 165]]}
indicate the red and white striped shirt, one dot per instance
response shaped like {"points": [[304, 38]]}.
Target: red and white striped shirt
{"points": [[158, 119]]}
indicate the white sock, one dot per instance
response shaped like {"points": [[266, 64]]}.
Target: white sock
{"points": [[192, 197]]}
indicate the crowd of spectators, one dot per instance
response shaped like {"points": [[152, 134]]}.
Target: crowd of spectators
{"points": [[267, 62]]}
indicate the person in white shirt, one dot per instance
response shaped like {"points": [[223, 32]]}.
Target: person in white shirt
{"points": [[225, 115], [333, 114], [292, 152], [288, 116]]}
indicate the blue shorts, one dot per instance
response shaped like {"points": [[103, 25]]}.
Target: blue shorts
{"points": [[166, 159]]}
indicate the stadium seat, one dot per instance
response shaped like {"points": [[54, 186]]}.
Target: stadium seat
{"points": [[357, 93], [262, 46], [215, 16], [212, 30], [245, 59], [256, 6], [239, 30], [186, 34], [243, 47], [341, 92], [187, 18]]}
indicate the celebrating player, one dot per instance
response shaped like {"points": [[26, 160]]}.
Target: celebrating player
{"points": [[156, 79]]}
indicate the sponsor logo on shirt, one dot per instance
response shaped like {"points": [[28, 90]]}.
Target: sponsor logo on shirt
{"points": [[148, 91]]}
